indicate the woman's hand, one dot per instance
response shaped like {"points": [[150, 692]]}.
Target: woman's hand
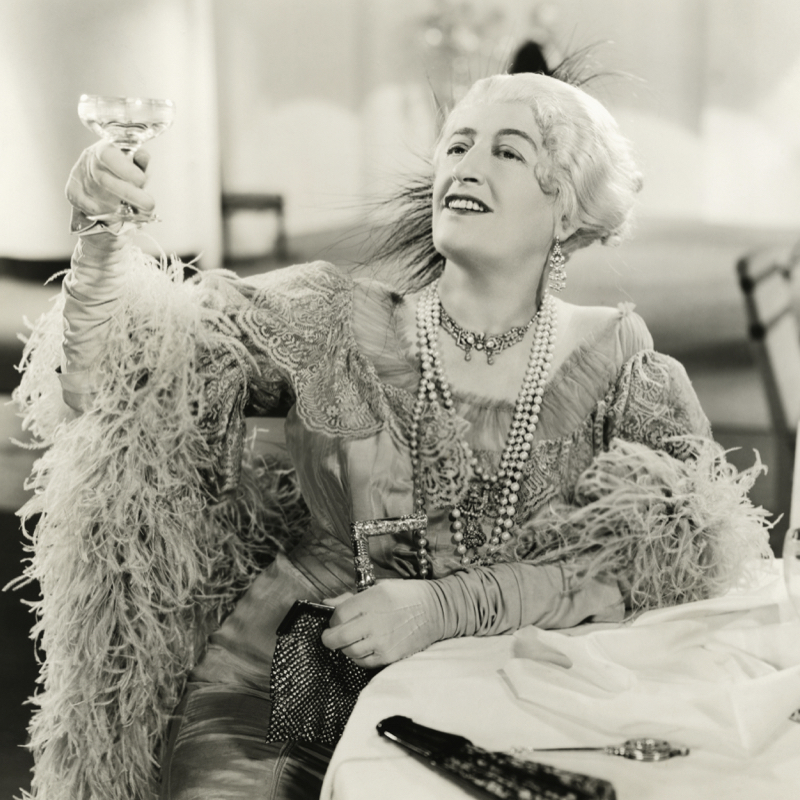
{"points": [[104, 176], [388, 622]]}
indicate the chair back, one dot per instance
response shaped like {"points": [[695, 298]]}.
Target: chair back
{"points": [[767, 281], [766, 278]]}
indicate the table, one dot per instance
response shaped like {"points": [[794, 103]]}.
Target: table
{"points": [[471, 686]]}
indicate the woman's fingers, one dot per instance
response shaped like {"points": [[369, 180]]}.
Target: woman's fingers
{"points": [[103, 177], [356, 642], [367, 659], [351, 631], [390, 621], [141, 158], [342, 635], [111, 158], [112, 173], [338, 600]]}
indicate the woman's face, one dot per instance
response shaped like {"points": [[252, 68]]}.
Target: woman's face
{"points": [[488, 207]]}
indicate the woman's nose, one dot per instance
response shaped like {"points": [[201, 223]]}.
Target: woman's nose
{"points": [[470, 168]]}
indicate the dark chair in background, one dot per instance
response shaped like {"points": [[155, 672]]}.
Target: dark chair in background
{"points": [[769, 285], [262, 203]]}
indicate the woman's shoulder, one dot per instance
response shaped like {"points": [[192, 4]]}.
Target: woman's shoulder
{"points": [[313, 294], [319, 277], [622, 318], [353, 292], [618, 331]]}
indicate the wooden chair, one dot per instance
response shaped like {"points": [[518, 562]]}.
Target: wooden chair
{"points": [[262, 203], [766, 279]]}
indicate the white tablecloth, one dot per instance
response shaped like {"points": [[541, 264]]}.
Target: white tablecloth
{"points": [[623, 681]]}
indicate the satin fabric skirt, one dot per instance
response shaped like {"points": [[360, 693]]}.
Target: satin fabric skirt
{"points": [[217, 751], [216, 748]]}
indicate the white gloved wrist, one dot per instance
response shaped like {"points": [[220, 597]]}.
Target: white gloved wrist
{"points": [[92, 290]]}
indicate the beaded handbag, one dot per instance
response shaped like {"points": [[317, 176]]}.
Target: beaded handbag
{"points": [[314, 689]]}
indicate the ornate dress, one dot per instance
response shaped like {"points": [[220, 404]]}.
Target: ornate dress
{"points": [[157, 519]]}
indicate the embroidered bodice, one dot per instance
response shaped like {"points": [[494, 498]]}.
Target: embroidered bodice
{"points": [[336, 345]]}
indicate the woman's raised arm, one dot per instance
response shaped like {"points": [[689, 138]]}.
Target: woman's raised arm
{"points": [[102, 178]]}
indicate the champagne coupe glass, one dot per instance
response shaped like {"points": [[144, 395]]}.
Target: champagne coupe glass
{"points": [[128, 122], [791, 566]]}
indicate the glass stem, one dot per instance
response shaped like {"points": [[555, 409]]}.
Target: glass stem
{"points": [[126, 209]]}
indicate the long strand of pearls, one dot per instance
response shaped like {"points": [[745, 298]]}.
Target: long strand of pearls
{"points": [[433, 388], [432, 374]]}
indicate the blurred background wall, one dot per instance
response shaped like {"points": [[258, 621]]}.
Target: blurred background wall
{"points": [[51, 52], [324, 101]]}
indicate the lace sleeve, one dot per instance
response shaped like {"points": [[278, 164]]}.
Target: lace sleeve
{"points": [[652, 402], [299, 321]]}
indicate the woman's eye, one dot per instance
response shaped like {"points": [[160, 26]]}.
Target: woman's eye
{"points": [[456, 149], [511, 155]]}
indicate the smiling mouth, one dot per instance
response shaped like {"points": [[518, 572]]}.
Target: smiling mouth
{"points": [[465, 204]]}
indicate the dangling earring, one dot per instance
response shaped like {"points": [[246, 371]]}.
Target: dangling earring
{"points": [[558, 275]]}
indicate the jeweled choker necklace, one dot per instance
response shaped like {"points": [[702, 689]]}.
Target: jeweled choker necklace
{"points": [[490, 343], [494, 495]]}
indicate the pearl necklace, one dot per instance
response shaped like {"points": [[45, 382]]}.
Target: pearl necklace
{"points": [[490, 494]]}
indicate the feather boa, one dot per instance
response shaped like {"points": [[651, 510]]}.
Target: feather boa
{"points": [[135, 561], [669, 530]]}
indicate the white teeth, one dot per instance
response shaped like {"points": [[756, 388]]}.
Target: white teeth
{"points": [[464, 204]]}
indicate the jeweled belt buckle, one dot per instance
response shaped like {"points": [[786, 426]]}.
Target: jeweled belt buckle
{"points": [[361, 531]]}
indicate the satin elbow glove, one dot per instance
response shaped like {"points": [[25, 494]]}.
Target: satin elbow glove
{"points": [[397, 618], [92, 290]]}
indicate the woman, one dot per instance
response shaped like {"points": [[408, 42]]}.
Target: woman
{"points": [[563, 467]]}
